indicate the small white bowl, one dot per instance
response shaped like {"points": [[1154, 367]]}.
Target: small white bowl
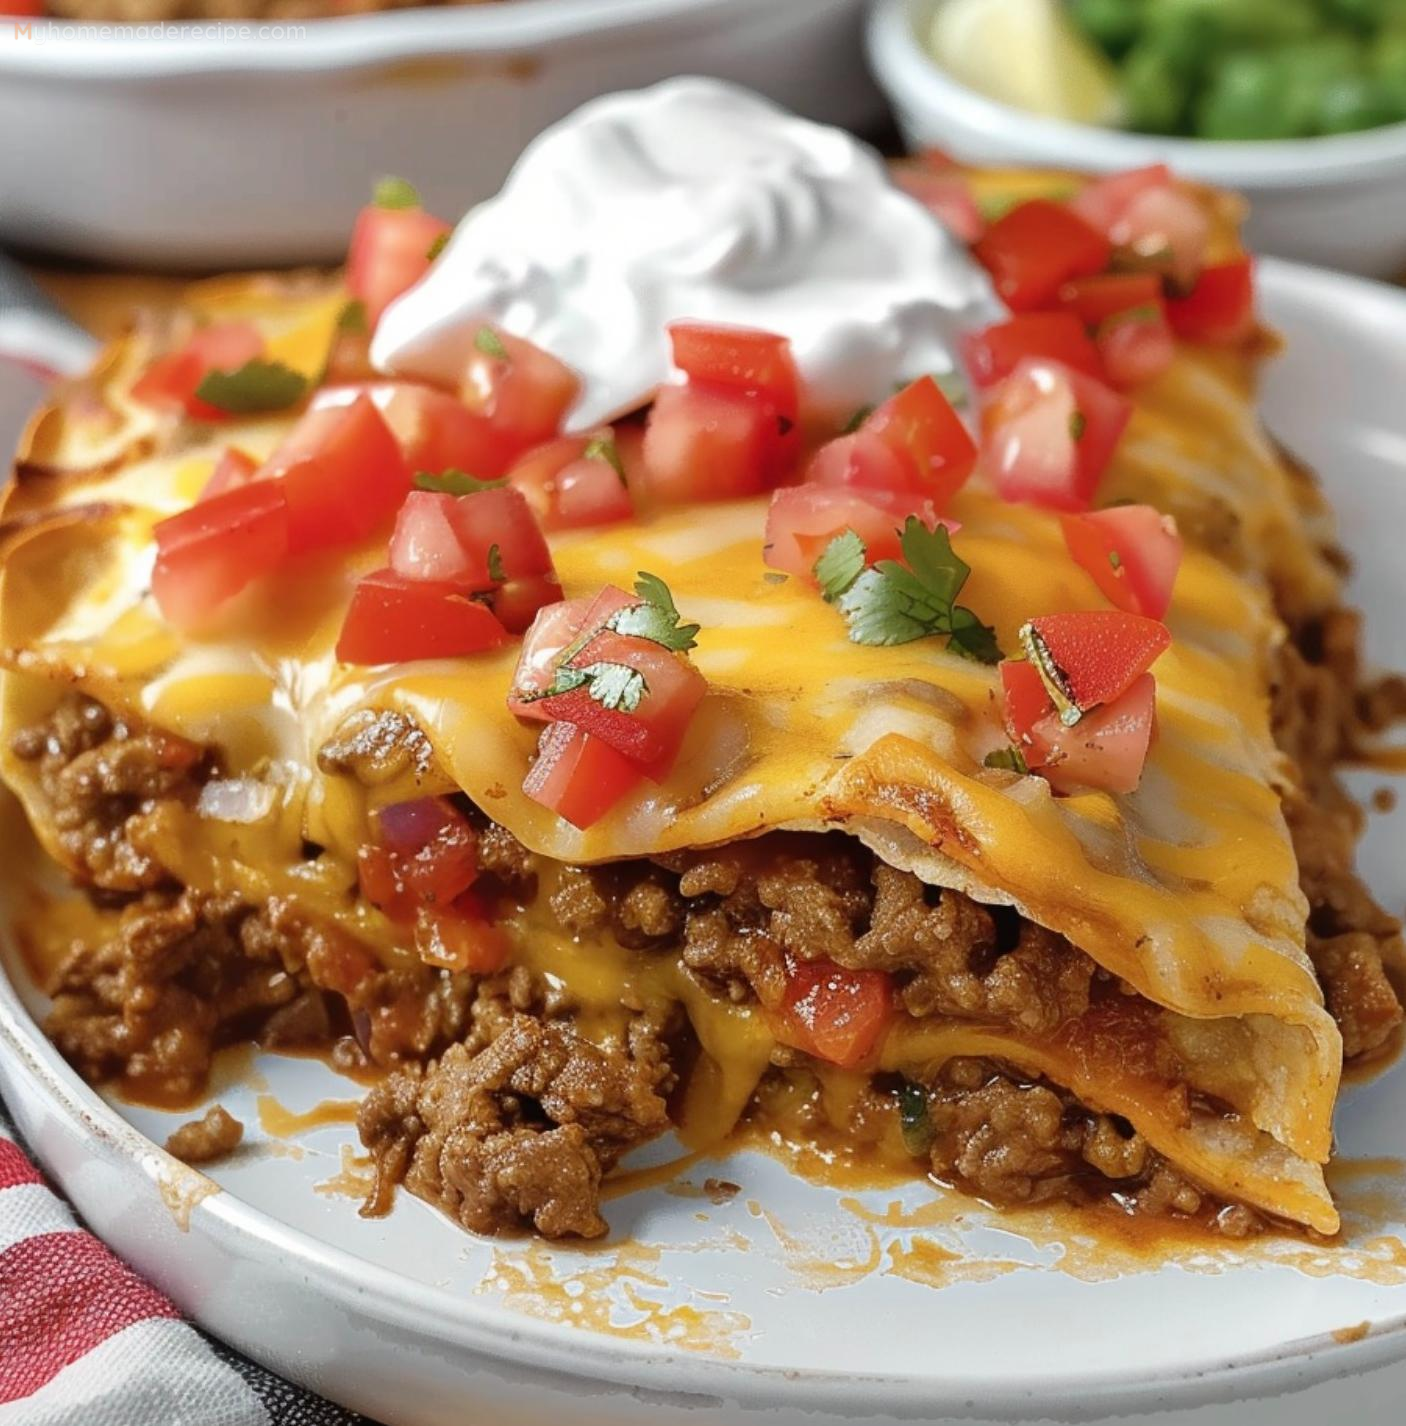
{"points": [[1338, 201], [197, 150]]}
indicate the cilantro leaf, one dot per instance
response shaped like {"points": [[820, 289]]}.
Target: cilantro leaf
{"points": [[1011, 759], [438, 246], [657, 619], [841, 562], [612, 685], [454, 482], [602, 447], [495, 565], [490, 343], [892, 603], [352, 317], [255, 387], [395, 193]]}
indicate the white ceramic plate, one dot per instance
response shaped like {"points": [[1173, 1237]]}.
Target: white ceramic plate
{"points": [[791, 1302]]}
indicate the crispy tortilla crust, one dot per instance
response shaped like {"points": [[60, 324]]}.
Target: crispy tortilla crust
{"points": [[94, 468]]}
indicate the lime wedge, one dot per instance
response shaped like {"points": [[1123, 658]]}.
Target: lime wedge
{"points": [[1027, 53]]}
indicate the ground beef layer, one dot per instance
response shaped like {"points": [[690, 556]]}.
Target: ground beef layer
{"points": [[495, 1108]]}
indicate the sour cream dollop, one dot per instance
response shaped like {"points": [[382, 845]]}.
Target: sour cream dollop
{"points": [[694, 200]]}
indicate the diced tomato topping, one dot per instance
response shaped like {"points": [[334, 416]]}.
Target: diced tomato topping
{"points": [[425, 855], [578, 776], [705, 443], [555, 627], [451, 538], [948, 197], [803, 519], [920, 425], [1035, 248], [517, 602], [343, 474], [1221, 307], [1105, 750], [1094, 299], [461, 939], [739, 359], [524, 392], [436, 431], [389, 254], [1097, 653], [868, 467], [232, 470], [571, 484], [173, 380], [1152, 223], [1132, 552], [393, 619], [994, 352], [1049, 433], [209, 553], [1136, 346], [835, 1014]]}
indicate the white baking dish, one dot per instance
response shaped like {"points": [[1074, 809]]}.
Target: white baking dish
{"points": [[204, 152]]}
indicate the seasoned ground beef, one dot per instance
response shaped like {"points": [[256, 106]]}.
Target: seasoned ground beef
{"points": [[202, 1141], [522, 1129], [106, 783]]}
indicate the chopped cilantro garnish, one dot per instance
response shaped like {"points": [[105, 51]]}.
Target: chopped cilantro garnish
{"points": [[602, 447], [857, 420], [437, 246], [454, 482], [841, 562], [255, 387], [612, 685], [490, 343], [774, 577], [656, 619], [352, 317], [395, 193], [892, 603], [1115, 559], [914, 1119], [495, 565], [1078, 424], [1051, 675], [1010, 759]]}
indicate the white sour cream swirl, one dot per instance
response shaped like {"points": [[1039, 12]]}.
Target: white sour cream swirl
{"points": [[694, 199]]}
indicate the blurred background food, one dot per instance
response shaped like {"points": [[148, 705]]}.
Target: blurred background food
{"points": [[1209, 69], [140, 12]]}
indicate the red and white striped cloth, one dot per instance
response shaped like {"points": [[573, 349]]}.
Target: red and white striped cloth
{"points": [[84, 1341]]}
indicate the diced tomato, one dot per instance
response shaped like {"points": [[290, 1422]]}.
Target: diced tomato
{"points": [[803, 519], [1049, 433], [425, 854], [1105, 750], [173, 380], [1221, 307], [390, 253], [1152, 222], [452, 537], [947, 196], [1097, 653], [209, 553], [524, 392], [869, 467], [835, 1014], [571, 484], [920, 425], [343, 474], [1136, 346], [555, 627], [517, 602], [436, 431], [578, 776], [994, 352], [232, 470], [393, 619], [1035, 248], [1132, 552], [461, 939], [739, 359], [1094, 299], [707, 443]]}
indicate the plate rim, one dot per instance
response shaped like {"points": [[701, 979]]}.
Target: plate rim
{"points": [[236, 1226]]}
